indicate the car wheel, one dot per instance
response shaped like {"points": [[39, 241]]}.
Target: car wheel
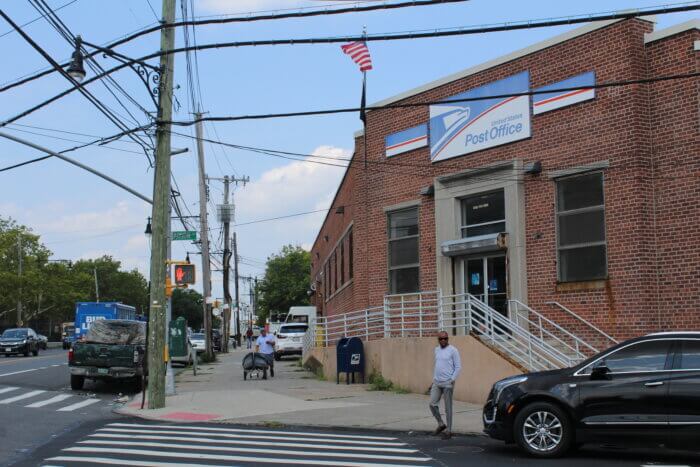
{"points": [[77, 382], [543, 429], [35, 352], [26, 352], [138, 383]]}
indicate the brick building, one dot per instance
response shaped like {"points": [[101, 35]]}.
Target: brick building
{"points": [[587, 197]]}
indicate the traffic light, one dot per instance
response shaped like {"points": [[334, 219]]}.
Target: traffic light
{"points": [[184, 274]]}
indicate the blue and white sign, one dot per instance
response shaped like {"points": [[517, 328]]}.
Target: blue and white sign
{"points": [[407, 140], [461, 128], [545, 102]]}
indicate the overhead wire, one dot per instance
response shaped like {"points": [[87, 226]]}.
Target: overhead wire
{"points": [[337, 39], [243, 19]]}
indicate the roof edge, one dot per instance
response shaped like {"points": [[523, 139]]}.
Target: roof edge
{"points": [[568, 35], [672, 30]]}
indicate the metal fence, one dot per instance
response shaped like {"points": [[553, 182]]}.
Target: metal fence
{"points": [[526, 337]]}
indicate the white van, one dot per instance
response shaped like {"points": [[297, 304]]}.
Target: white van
{"points": [[302, 314]]}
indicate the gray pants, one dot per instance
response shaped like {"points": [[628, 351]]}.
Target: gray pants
{"points": [[436, 393]]}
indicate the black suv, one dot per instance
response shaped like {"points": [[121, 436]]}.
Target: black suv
{"points": [[19, 341], [643, 391]]}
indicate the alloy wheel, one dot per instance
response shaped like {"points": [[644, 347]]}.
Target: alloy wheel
{"points": [[542, 431]]}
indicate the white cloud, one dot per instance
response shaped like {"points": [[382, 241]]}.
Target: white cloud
{"points": [[121, 215], [245, 6]]}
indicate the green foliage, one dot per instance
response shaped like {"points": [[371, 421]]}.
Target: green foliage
{"points": [[48, 290], [377, 382], [188, 304], [286, 282]]}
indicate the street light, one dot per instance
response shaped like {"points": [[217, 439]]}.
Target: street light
{"points": [[148, 230], [76, 69]]}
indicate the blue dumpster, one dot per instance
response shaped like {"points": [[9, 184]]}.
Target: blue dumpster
{"points": [[350, 359]]}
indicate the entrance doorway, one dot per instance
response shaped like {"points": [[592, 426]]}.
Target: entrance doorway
{"points": [[485, 278]]}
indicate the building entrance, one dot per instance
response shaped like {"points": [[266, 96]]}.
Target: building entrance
{"points": [[485, 278]]}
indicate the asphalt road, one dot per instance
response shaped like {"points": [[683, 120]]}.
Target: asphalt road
{"points": [[37, 404], [137, 442]]}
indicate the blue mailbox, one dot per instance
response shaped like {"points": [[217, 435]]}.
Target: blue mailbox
{"points": [[350, 358]]}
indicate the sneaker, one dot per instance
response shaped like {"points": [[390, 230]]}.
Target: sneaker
{"points": [[439, 430], [447, 435]]}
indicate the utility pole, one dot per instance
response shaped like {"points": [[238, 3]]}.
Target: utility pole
{"points": [[238, 298], [161, 201], [226, 213], [204, 238], [19, 295], [97, 289]]}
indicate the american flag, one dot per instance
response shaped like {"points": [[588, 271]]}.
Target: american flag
{"points": [[359, 53]]}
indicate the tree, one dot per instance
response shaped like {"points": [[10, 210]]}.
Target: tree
{"points": [[188, 304], [286, 282]]}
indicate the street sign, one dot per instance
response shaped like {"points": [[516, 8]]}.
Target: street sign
{"points": [[184, 235], [184, 274]]}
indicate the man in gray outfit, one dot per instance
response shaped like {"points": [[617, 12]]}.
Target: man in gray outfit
{"points": [[447, 366]]}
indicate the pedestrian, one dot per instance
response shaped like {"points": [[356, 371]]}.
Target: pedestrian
{"points": [[265, 344], [249, 338], [447, 366]]}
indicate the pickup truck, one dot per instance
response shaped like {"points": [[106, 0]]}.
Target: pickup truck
{"points": [[111, 350]]}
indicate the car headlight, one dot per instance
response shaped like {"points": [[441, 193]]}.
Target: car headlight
{"points": [[504, 383]]}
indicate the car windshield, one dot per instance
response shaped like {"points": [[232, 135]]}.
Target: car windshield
{"points": [[296, 328], [198, 336], [14, 333]]}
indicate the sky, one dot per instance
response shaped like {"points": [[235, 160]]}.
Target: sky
{"points": [[79, 215]]}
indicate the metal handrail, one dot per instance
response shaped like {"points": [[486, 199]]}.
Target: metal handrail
{"points": [[584, 321]]}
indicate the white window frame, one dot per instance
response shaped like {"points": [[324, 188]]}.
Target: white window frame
{"points": [[463, 226]]}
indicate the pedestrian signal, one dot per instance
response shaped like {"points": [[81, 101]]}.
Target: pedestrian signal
{"points": [[184, 274]]}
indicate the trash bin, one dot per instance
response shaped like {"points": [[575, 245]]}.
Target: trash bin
{"points": [[178, 338], [350, 359]]}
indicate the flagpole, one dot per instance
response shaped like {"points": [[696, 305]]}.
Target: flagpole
{"points": [[364, 117]]}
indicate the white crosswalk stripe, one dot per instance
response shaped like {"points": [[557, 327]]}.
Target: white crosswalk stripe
{"points": [[79, 405], [36, 399], [137, 444]]}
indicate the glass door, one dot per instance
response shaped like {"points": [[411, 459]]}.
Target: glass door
{"points": [[485, 278]]}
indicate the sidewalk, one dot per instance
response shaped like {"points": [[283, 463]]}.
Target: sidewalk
{"points": [[294, 397]]}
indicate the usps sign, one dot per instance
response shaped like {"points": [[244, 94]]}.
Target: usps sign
{"points": [[460, 128]]}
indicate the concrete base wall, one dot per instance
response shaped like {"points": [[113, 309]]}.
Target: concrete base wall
{"points": [[408, 362]]}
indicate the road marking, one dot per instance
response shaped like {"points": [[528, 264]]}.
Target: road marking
{"points": [[108, 461], [240, 436], [17, 372], [33, 359], [239, 430], [22, 396], [59, 398], [8, 389], [257, 443], [79, 405], [279, 452], [226, 458]]}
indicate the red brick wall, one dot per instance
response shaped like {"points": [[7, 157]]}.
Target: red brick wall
{"points": [[649, 135]]}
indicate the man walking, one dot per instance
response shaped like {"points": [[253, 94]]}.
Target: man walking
{"points": [[249, 338], [447, 366], [265, 344]]}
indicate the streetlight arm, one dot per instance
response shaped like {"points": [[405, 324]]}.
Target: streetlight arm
{"points": [[77, 164]]}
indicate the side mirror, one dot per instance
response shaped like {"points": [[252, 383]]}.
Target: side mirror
{"points": [[600, 371]]}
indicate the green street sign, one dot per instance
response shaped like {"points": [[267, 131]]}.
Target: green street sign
{"points": [[185, 235]]}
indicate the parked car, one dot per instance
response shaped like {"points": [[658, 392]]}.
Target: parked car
{"points": [[643, 391], [112, 349], [290, 340], [43, 341], [19, 341], [198, 343]]}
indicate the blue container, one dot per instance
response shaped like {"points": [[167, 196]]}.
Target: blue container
{"points": [[87, 313], [350, 359]]}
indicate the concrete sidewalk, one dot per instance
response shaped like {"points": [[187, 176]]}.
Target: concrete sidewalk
{"points": [[295, 397]]}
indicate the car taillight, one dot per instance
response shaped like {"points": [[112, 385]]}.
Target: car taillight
{"points": [[70, 355]]}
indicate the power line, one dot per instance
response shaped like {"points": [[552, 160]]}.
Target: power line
{"points": [[608, 84], [10, 31], [241, 19]]}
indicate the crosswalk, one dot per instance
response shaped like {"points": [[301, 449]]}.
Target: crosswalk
{"points": [[152, 444], [38, 398]]}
